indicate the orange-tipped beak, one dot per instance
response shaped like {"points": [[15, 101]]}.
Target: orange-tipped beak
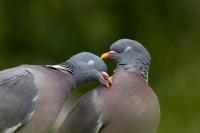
{"points": [[104, 55], [108, 54], [106, 79]]}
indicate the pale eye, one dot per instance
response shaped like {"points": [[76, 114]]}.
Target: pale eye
{"points": [[91, 62], [127, 49]]}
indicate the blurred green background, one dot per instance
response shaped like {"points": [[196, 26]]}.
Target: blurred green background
{"points": [[50, 31]]}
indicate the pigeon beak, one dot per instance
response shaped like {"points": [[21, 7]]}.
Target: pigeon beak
{"points": [[109, 54], [105, 79]]}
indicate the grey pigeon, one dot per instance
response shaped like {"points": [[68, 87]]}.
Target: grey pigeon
{"points": [[31, 96], [129, 106]]}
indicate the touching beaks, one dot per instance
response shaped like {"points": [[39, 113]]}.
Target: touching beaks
{"points": [[108, 54], [105, 79]]}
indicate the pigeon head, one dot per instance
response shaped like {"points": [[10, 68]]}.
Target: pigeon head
{"points": [[129, 54], [87, 67]]}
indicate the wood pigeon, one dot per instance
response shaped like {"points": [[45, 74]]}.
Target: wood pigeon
{"points": [[129, 106], [31, 96]]}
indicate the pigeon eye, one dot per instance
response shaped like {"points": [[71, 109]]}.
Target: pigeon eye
{"points": [[91, 62], [127, 49]]}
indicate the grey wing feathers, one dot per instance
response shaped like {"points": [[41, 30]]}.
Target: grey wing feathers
{"points": [[83, 117], [17, 91]]}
